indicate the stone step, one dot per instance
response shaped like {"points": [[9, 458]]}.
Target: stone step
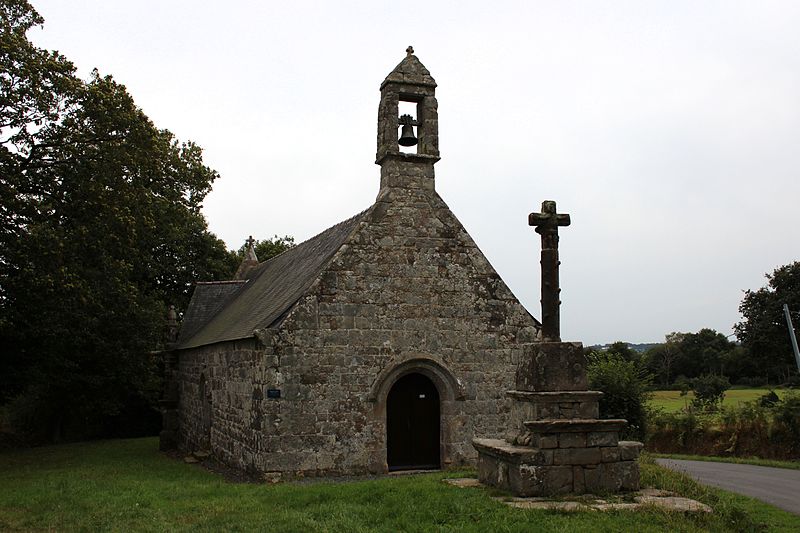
{"points": [[528, 471], [555, 396], [621, 451], [575, 425], [542, 405]]}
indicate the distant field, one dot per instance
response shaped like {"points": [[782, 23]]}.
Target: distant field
{"points": [[671, 400]]}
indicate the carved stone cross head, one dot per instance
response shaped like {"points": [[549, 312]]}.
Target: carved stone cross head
{"points": [[547, 223]]}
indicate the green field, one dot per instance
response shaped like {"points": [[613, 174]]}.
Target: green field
{"points": [[127, 485], [671, 400]]}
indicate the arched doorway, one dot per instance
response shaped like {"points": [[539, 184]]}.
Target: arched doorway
{"points": [[412, 424]]}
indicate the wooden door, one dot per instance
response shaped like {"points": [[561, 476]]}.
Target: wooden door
{"points": [[412, 424]]}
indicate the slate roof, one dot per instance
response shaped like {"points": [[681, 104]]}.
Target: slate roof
{"points": [[207, 299], [264, 298]]}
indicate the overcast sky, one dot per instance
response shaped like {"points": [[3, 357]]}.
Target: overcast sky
{"points": [[669, 131]]}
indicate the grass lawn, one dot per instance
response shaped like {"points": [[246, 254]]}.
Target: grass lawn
{"points": [[671, 400], [127, 485]]}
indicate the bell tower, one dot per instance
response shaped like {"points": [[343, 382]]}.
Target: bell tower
{"points": [[409, 82]]}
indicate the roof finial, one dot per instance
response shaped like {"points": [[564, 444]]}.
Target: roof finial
{"points": [[250, 251], [249, 260], [410, 51]]}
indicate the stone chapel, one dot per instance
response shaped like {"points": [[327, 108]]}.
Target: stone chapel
{"points": [[387, 342]]}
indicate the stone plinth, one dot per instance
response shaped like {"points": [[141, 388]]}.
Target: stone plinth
{"points": [[527, 471], [555, 443], [548, 405], [552, 366]]}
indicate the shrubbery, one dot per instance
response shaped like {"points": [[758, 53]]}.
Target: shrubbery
{"points": [[769, 399], [768, 427], [786, 414], [625, 385], [709, 391]]}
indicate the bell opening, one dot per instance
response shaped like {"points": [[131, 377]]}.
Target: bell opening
{"points": [[407, 133]]}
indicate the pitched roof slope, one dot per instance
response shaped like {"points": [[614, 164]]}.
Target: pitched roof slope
{"points": [[207, 299], [272, 288]]}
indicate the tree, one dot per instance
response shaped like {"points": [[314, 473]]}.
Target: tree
{"points": [[709, 391], [100, 230], [619, 348], [701, 353], [763, 330], [741, 367], [36, 86], [660, 359], [624, 350]]}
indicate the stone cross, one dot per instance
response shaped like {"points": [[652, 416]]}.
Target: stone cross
{"points": [[409, 51], [250, 242], [547, 223]]}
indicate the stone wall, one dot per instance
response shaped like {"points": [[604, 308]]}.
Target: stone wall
{"points": [[409, 291], [234, 374]]}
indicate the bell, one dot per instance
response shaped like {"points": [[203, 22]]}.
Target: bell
{"points": [[407, 136]]}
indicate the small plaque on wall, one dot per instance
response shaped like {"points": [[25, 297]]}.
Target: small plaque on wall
{"points": [[273, 393]]}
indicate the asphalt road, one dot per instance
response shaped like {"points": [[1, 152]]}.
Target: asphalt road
{"points": [[778, 486]]}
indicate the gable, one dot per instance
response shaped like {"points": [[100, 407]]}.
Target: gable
{"points": [[271, 288], [411, 265]]}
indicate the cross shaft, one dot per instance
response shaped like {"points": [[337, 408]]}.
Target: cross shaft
{"points": [[546, 224]]}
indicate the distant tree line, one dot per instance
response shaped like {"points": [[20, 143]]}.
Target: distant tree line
{"points": [[761, 355]]}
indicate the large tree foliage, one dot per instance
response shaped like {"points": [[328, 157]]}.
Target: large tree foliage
{"points": [[702, 353], [100, 229], [763, 330]]}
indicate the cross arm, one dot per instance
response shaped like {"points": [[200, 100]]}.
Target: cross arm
{"points": [[548, 219]]}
